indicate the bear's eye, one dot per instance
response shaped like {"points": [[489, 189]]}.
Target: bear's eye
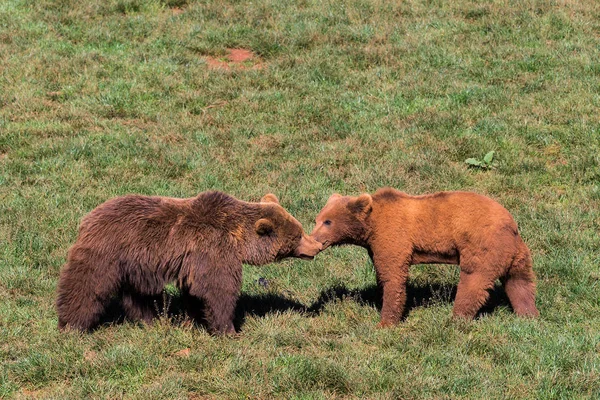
{"points": [[327, 222]]}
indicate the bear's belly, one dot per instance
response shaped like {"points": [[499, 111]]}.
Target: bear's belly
{"points": [[421, 257]]}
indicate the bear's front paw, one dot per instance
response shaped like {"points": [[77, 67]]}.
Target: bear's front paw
{"points": [[228, 331]]}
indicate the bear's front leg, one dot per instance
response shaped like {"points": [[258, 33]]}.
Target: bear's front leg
{"points": [[219, 289], [219, 306], [392, 273], [220, 311]]}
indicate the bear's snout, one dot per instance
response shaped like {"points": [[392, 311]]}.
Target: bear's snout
{"points": [[308, 248]]}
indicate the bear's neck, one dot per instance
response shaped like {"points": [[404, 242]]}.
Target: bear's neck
{"points": [[362, 235]]}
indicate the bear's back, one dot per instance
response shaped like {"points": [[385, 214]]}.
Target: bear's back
{"points": [[439, 211], [147, 231], [151, 220], [126, 213]]}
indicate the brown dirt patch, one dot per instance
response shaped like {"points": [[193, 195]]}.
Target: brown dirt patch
{"points": [[213, 63], [239, 59], [239, 55]]}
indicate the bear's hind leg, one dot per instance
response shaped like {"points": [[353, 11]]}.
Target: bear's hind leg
{"points": [[82, 314], [140, 307], [471, 294], [519, 285], [82, 297], [521, 293]]}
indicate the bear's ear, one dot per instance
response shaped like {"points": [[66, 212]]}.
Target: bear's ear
{"points": [[264, 227], [362, 204], [270, 198]]}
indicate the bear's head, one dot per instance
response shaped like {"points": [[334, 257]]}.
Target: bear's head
{"points": [[343, 220], [282, 233]]}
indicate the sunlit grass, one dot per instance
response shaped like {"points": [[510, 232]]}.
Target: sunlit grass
{"points": [[104, 98]]}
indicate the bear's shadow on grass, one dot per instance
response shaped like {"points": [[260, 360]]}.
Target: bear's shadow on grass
{"points": [[260, 305], [173, 308], [416, 296]]}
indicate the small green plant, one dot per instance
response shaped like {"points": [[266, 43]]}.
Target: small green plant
{"points": [[486, 163]]}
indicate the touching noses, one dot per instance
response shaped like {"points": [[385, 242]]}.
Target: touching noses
{"points": [[308, 247], [313, 243], [319, 245]]}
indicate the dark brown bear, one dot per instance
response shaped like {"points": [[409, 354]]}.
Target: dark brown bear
{"points": [[132, 246], [461, 228]]}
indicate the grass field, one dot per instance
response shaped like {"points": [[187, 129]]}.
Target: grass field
{"points": [[107, 97]]}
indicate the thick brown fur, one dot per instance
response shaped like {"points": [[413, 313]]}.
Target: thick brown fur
{"points": [[130, 247], [462, 228]]}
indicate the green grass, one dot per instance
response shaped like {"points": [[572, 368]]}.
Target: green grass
{"points": [[103, 98]]}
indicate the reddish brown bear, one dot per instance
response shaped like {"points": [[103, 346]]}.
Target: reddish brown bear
{"points": [[131, 246], [462, 228]]}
